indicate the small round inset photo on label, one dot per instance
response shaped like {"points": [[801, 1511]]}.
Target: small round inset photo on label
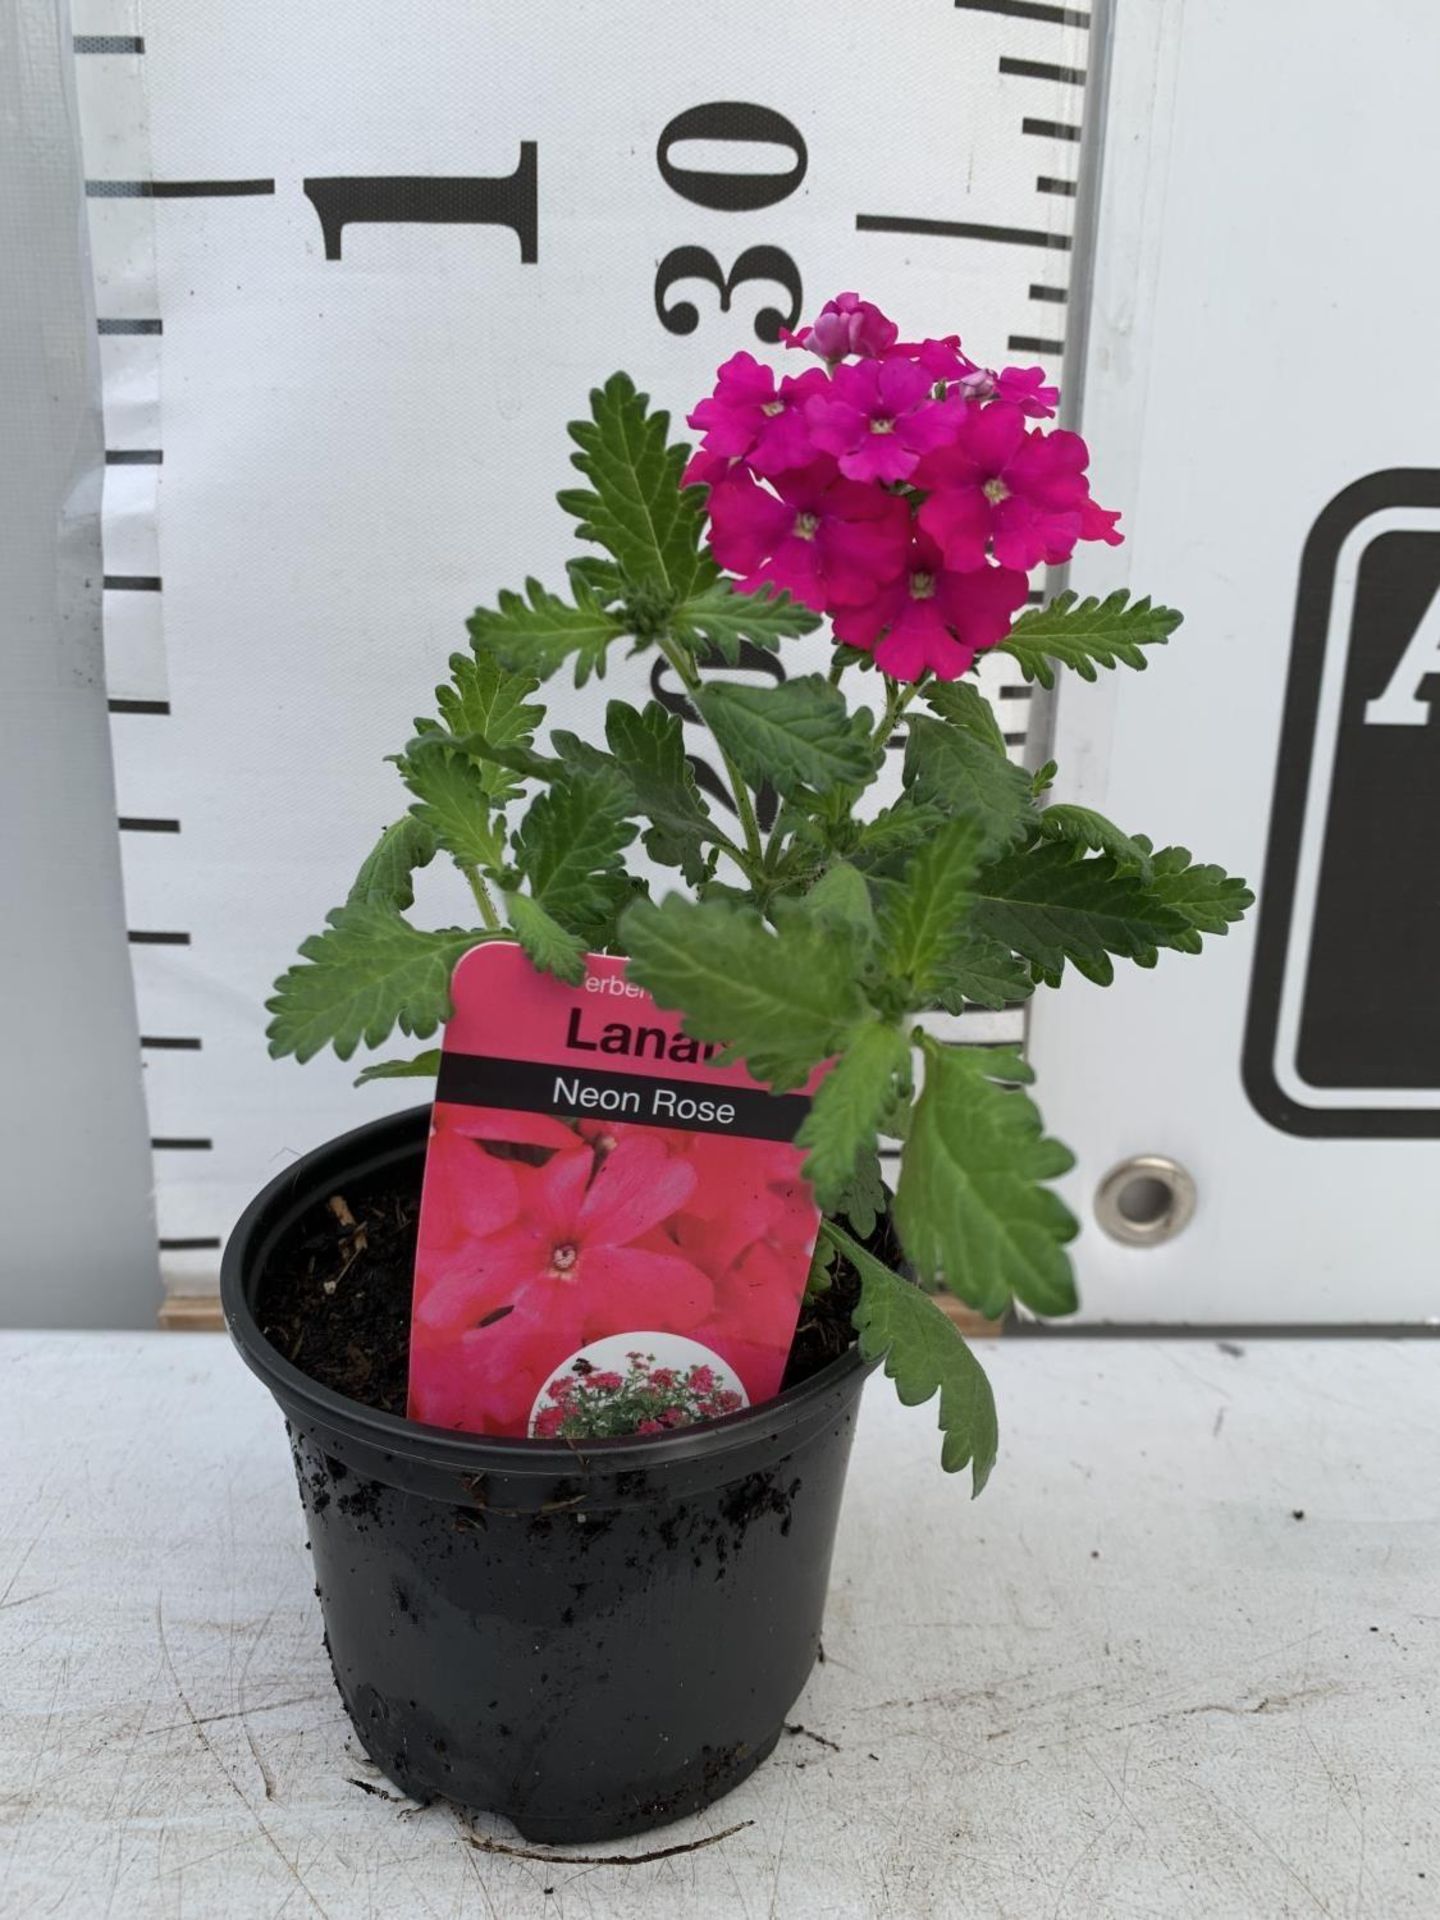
{"points": [[632, 1383]]}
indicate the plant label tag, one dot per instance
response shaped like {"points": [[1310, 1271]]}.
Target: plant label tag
{"points": [[614, 1231]]}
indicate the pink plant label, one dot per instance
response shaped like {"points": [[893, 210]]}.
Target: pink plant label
{"points": [[614, 1231]]}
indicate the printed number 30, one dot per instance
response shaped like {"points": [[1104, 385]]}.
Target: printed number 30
{"points": [[731, 193]]}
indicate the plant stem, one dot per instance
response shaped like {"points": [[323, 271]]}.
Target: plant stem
{"points": [[744, 806], [482, 899], [897, 699]]}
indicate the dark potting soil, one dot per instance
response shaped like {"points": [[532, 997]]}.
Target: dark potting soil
{"points": [[336, 1295]]}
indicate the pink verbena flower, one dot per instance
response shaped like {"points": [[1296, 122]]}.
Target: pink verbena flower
{"points": [[821, 538], [702, 1378], [1000, 488], [548, 1422], [605, 1382], [933, 616], [844, 326], [1026, 388], [941, 359], [650, 1426], [878, 418], [748, 417]]}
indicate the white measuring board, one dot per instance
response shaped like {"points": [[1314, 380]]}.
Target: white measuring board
{"points": [[354, 275], [1260, 307]]}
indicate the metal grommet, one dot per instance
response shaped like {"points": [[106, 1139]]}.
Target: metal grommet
{"points": [[1145, 1200]]}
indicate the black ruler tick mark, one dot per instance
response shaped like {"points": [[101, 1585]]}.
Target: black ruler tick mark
{"points": [[962, 230], [1042, 70]]}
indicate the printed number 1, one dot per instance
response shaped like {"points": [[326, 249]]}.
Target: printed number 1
{"points": [[505, 200]]}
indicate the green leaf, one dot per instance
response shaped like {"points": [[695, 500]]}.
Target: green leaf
{"points": [[841, 898], [864, 1200], [895, 832], [649, 747], [484, 698], [454, 800], [537, 633], [794, 736], [635, 506], [569, 847], [384, 878], [722, 617], [779, 1001], [924, 912], [1086, 828], [925, 1353], [549, 946], [1053, 904], [963, 705], [850, 1104], [947, 766], [1084, 634], [369, 972], [1208, 899], [970, 1208], [424, 1066], [979, 972]]}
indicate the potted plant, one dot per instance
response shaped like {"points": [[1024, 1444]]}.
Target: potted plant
{"points": [[590, 1635]]}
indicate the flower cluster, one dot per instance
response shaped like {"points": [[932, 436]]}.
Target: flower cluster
{"points": [[541, 1236], [900, 488], [588, 1404]]}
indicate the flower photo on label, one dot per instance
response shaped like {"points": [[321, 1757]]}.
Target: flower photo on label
{"points": [[642, 1383]]}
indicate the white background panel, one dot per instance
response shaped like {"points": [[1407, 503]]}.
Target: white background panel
{"points": [[357, 451], [1240, 274]]}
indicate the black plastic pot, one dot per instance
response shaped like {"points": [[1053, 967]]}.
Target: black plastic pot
{"points": [[587, 1642]]}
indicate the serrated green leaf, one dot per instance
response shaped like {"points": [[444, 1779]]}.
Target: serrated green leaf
{"points": [[649, 747], [385, 876], [979, 972], [946, 766], [569, 847], [537, 632], [971, 1209], [548, 945], [923, 913], [1052, 903], [369, 972], [485, 699], [1087, 828], [864, 1199], [1086, 634], [797, 736], [963, 705], [635, 506], [849, 1105], [840, 897], [424, 1066], [925, 1353], [896, 831], [1208, 899], [722, 617], [779, 1001], [453, 800]]}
